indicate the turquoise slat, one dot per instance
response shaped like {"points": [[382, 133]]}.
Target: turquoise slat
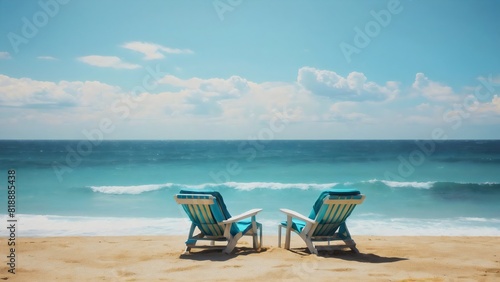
{"points": [[330, 217]]}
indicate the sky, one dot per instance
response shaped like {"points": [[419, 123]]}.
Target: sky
{"points": [[241, 69]]}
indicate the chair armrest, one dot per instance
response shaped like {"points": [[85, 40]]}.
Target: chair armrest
{"points": [[297, 215], [239, 217]]}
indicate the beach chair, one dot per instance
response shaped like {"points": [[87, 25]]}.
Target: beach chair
{"points": [[209, 215], [326, 222]]}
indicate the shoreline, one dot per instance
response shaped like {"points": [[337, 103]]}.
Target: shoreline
{"points": [[157, 258], [37, 225]]}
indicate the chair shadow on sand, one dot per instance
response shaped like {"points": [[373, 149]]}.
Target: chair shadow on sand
{"points": [[217, 255], [349, 255]]}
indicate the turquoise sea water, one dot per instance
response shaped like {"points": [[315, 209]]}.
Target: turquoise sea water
{"points": [[126, 187]]}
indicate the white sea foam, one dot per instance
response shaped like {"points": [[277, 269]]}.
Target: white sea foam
{"points": [[401, 184], [278, 186], [248, 186], [480, 219], [55, 225], [137, 189], [244, 186], [424, 227]]}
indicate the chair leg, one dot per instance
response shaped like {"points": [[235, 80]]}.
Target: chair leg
{"points": [[310, 245], [231, 244], [191, 241], [260, 245], [279, 235], [255, 228], [255, 239], [288, 232], [352, 245]]}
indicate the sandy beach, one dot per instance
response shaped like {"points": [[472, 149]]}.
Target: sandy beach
{"points": [[161, 258]]}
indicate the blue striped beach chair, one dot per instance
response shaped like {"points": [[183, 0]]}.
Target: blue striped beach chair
{"points": [[209, 215], [326, 222]]}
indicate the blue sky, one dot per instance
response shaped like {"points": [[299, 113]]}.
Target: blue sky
{"points": [[240, 69]]}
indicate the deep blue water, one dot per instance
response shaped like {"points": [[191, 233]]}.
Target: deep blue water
{"points": [[127, 187]]}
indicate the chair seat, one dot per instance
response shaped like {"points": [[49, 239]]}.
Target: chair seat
{"points": [[244, 226], [297, 224]]}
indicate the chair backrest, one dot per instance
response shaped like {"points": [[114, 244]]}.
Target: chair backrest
{"points": [[204, 211], [217, 196], [334, 211]]}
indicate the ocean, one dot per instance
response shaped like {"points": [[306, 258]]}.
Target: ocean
{"points": [[92, 187]]}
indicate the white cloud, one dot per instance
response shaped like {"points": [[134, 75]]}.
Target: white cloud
{"points": [[496, 104], [205, 96], [354, 87], [4, 55], [236, 98], [432, 90], [232, 107], [107, 62], [153, 51], [25, 92], [492, 107], [49, 58], [28, 93]]}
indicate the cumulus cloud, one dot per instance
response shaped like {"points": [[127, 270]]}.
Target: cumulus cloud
{"points": [[205, 96], [28, 93], [492, 107], [496, 104], [321, 103], [354, 87], [433, 91], [153, 51], [237, 98], [232, 100], [4, 55], [107, 62]]}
